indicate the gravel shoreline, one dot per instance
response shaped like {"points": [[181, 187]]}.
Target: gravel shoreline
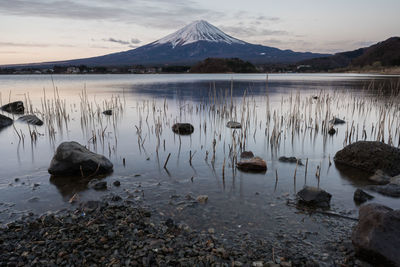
{"points": [[99, 233]]}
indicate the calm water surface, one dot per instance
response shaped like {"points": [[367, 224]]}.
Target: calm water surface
{"points": [[139, 133]]}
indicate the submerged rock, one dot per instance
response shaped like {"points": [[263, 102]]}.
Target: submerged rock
{"points": [[107, 112], [290, 160], [376, 238], [5, 121], [16, 107], [246, 155], [379, 177], [315, 197], [233, 125], [335, 121], [255, 164], [360, 196], [183, 128], [71, 158], [391, 190], [370, 156], [31, 119], [100, 186]]}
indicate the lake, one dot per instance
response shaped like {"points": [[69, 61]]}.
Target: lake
{"points": [[282, 115]]}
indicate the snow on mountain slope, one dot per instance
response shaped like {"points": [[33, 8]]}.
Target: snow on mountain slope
{"points": [[198, 31]]}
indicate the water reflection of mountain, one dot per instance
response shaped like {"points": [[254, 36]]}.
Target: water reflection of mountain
{"points": [[202, 90]]}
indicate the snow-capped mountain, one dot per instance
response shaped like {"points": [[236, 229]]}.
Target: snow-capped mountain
{"points": [[191, 44], [199, 30]]}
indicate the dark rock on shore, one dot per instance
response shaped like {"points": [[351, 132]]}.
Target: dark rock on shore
{"points": [[315, 197], [370, 156], [290, 160], [360, 196], [71, 159], [183, 128], [336, 121], [255, 164], [107, 112], [5, 121], [16, 107], [376, 238], [31, 119], [246, 155], [233, 125]]}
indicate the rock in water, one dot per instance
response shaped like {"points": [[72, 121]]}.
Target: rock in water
{"points": [[255, 164], [233, 125], [331, 131], [315, 197], [107, 112], [183, 128], [246, 155], [5, 121], [72, 159], [31, 119], [100, 186], [370, 156], [376, 238], [290, 160], [360, 196], [391, 190], [337, 121], [379, 177], [16, 107]]}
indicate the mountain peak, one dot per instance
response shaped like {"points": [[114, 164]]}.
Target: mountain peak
{"points": [[199, 30]]}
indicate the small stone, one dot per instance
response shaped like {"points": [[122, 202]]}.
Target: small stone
{"points": [[379, 177], [247, 155], [107, 112], [360, 196], [183, 128], [335, 121], [211, 230], [116, 183], [331, 131], [100, 186], [233, 125], [202, 199]]}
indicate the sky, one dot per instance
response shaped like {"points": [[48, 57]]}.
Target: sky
{"points": [[49, 30]]}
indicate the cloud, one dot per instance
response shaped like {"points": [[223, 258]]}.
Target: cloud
{"points": [[14, 44], [243, 31], [116, 41], [141, 12], [135, 41], [130, 43]]}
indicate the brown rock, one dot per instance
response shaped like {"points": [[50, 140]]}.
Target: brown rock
{"points": [[255, 164]]}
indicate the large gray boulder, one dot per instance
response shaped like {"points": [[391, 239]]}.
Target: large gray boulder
{"points": [[5, 121], [376, 238], [31, 119], [73, 159], [370, 156], [16, 107]]}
